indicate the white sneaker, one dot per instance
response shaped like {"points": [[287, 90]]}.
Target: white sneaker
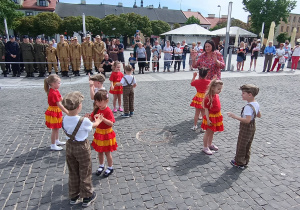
{"points": [[249, 70], [55, 147], [57, 142], [254, 70], [195, 127]]}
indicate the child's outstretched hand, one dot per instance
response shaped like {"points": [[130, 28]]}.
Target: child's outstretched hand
{"points": [[231, 115], [88, 115], [112, 87]]}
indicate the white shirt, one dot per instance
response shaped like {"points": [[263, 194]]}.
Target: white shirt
{"points": [[248, 110], [70, 123], [177, 49], [296, 51], [280, 52], [199, 49], [129, 80], [96, 89]]}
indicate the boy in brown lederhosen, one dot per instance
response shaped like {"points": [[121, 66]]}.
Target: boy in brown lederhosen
{"points": [[78, 150], [247, 125], [128, 82]]}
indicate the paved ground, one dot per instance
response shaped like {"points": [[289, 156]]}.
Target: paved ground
{"points": [[159, 163]]}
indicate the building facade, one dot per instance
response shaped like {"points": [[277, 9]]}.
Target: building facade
{"points": [[292, 22], [34, 7]]}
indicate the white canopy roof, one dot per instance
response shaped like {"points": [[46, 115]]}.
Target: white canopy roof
{"points": [[233, 32], [190, 30]]}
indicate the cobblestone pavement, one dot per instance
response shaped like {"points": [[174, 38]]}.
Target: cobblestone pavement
{"points": [[159, 163]]}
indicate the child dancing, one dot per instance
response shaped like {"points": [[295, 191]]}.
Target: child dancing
{"points": [[201, 85], [213, 119], [53, 115], [115, 77], [104, 138], [247, 125]]}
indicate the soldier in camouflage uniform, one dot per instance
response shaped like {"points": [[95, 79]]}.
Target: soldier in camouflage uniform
{"points": [[51, 55], [63, 55], [27, 50], [2, 58], [88, 52], [45, 42], [75, 54], [40, 55], [99, 49]]}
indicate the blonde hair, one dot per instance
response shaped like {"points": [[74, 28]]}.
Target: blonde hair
{"points": [[115, 64], [50, 80], [210, 91], [128, 68]]}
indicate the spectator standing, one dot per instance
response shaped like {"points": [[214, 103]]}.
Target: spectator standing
{"points": [[177, 56], [141, 57], [221, 47], [254, 49], [113, 50], [13, 50], [54, 43], [199, 49], [168, 50], [295, 57], [240, 55], [270, 51], [120, 53], [185, 50], [288, 52], [148, 48], [193, 54], [279, 57], [156, 51]]}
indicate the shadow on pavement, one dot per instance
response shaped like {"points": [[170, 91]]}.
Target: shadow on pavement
{"points": [[224, 182]]}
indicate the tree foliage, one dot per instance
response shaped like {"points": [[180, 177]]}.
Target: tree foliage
{"points": [[93, 25], [282, 37], [192, 20], [159, 27], [8, 10], [25, 26], [176, 25], [267, 11], [111, 25], [70, 25], [234, 22], [47, 23]]}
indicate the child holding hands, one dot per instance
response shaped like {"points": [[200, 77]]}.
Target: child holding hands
{"points": [[247, 125], [201, 85], [96, 83], [213, 119], [115, 77]]}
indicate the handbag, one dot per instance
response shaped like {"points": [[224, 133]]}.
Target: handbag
{"points": [[281, 60]]}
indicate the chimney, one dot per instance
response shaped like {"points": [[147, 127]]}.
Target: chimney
{"points": [[159, 6], [142, 3], [83, 1], [224, 16], [120, 4], [189, 10], [211, 15], [134, 6]]}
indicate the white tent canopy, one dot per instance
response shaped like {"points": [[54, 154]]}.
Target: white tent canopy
{"points": [[233, 31], [190, 30]]}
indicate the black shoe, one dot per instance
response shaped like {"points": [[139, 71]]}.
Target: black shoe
{"points": [[67, 74], [5, 75], [63, 74], [75, 200], [49, 73], [31, 75], [27, 75], [87, 72], [41, 75], [99, 170], [87, 201], [107, 174], [91, 73], [18, 75], [78, 74], [14, 75]]}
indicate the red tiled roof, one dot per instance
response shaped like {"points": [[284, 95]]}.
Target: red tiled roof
{"points": [[32, 4], [215, 20], [203, 20]]}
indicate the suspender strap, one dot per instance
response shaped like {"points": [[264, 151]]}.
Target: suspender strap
{"points": [[72, 137], [252, 107], [128, 82]]}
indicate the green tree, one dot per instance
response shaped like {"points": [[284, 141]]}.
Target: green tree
{"points": [[47, 23], [93, 25], [282, 37], [176, 25], [70, 25], [25, 26], [159, 27], [8, 10], [267, 11], [234, 22], [192, 20], [111, 25]]}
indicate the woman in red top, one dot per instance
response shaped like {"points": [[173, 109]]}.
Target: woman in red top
{"points": [[53, 115], [201, 86], [213, 119], [210, 59], [117, 91], [104, 137]]}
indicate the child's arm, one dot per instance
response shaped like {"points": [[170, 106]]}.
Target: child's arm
{"points": [[59, 104], [241, 119], [111, 85], [118, 84], [194, 77], [258, 114], [106, 121], [207, 117], [98, 120], [134, 85], [92, 91]]}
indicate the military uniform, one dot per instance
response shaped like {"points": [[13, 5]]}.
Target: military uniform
{"points": [[63, 54], [40, 55], [99, 49], [51, 54], [75, 54], [27, 50], [88, 52], [2, 57]]}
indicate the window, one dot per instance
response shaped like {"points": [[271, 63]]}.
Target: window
{"points": [[281, 28], [294, 20], [299, 20], [43, 3], [29, 13], [289, 18], [287, 29]]}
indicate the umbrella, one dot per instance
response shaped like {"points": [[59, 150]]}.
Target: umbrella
{"points": [[293, 38], [236, 43], [271, 32]]}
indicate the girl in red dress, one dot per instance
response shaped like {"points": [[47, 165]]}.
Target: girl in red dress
{"points": [[201, 85], [104, 137], [53, 115], [117, 91], [213, 119]]}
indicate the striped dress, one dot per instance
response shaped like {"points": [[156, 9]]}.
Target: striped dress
{"points": [[53, 115]]}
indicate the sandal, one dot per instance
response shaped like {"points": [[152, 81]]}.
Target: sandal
{"points": [[109, 172], [100, 170]]}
